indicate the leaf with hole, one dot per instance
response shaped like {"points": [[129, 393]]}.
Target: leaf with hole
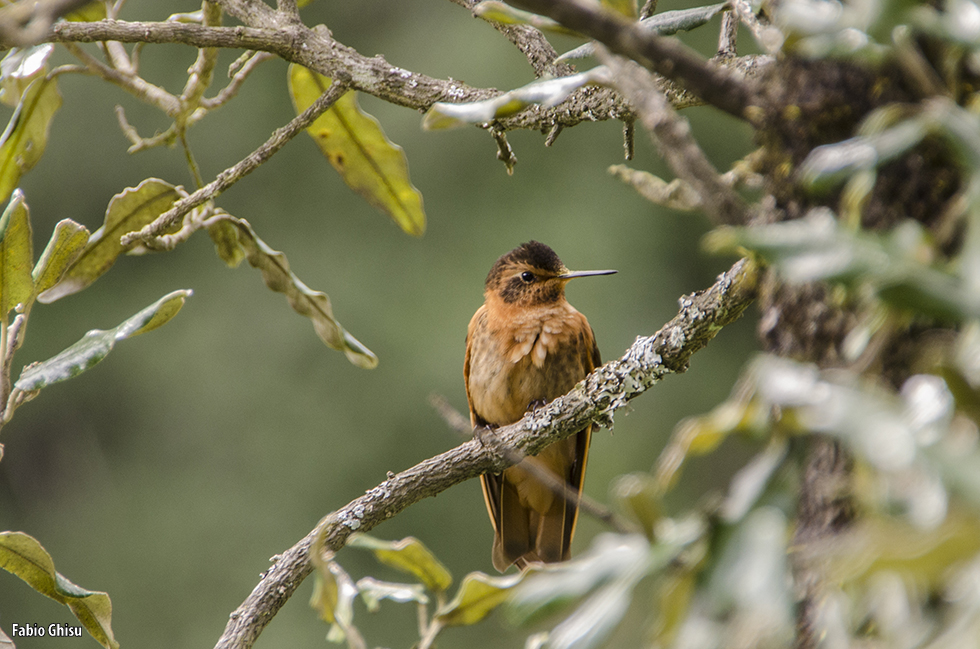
{"points": [[359, 150], [23, 556]]}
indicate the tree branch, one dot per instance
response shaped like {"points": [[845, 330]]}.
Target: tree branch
{"points": [[665, 56], [316, 50], [593, 400], [233, 174], [672, 135]]}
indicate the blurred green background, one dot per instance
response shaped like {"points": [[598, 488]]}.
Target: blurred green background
{"points": [[168, 475]]}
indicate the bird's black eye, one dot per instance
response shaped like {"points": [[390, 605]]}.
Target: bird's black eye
{"points": [[527, 276]]}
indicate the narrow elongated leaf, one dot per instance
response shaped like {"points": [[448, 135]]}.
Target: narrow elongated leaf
{"points": [[503, 13], [662, 24], [64, 247], [26, 135], [358, 149], [16, 255], [24, 557], [478, 596], [548, 93], [408, 555], [128, 210], [315, 305], [96, 344], [19, 68]]}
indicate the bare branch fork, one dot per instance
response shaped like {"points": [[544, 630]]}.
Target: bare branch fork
{"points": [[594, 400]]}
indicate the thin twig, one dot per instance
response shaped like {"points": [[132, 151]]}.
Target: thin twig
{"points": [[230, 176], [237, 79], [137, 86], [504, 152], [559, 487], [728, 35], [596, 398], [673, 136]]}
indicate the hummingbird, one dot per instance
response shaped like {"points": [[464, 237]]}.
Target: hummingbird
{"points": [[524, 347]]}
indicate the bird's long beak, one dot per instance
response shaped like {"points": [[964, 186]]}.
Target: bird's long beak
{"points": [[572, 274]]}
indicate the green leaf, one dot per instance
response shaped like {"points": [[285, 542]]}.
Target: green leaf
{"points": [[19, 68], [96, 344], [128, 210], [477, 597], [26, 135], [500, 12], [408, 555], [315, 305], [224, 235], [373, 591], [24, 557], [358, 149], [818, 247], [662, 24], [333, 599], [66, 244], [16, 255], [548, 93]]}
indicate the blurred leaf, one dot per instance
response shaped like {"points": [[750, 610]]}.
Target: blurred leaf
{"points": [[595, 619], [500, 12], [662, 24], [477, 597], [830, 164], [610, 557], [547, 93], [315, 305], [333, 599], [16, 255], [24, 557], [20, 68], [26, 135], [128, 210], [877, 544], [64, 247], [677, 194], [817, 247], [88, 13], [5, 641], [750, 481], [358, 149], [673, 602], [408, 555], [372, 591], [225, 237], [638, 496], [96, 344]]}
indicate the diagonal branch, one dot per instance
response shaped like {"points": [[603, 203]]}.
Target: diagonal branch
{"points": [[672, 134], [594, 400], [233, 174]]}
